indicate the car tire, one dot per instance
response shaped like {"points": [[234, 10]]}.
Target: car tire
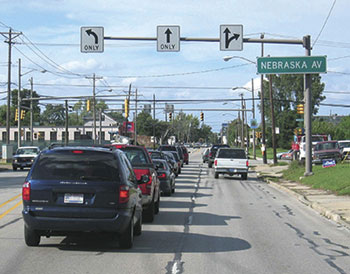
{"points": [[173, 189], [156, 206], [14, 168], [180, 171], [216, 175], [21, 168], [148, 214], [31, 237], [210, 164], [186, 162], [126, 239], [138, 227], [244, 176]]}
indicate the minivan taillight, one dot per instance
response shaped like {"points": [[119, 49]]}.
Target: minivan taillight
{"points": [[123, 194], [161, 175], [26, 191], [247, 163], [215, 162]]}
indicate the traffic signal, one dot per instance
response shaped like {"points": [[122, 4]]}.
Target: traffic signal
{"points": [[260, 134], [23, 113], [35, 135], [202, 116], [170, 116], [300, 131], [300, 109], [126, 106], [257, 134], [296, 131], [16, 116], [88, 105]]}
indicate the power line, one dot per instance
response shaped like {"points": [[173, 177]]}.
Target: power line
{"points": [[324, 24]]}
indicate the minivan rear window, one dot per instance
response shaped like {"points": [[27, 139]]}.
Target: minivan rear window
{"points": [[66, 165]]}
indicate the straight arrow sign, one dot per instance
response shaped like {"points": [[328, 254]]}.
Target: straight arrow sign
{"points": [[168, 38], [168, 32]]}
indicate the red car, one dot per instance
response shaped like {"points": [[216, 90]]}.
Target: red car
{"points": [[143, 165], [186, 156]]}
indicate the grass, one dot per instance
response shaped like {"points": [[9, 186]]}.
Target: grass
{"points": [[269, 151], [335, 179]]}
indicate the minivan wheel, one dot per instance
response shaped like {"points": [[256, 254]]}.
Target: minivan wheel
{"points": [[210, 164], [31, 237], [126, 239], [148, 214], [14, 168], [244, 176]]}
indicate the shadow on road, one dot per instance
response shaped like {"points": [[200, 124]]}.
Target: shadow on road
{"points": [[152, 242]]}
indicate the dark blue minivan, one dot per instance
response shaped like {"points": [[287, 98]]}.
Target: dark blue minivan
{"points": [[70, 189]]}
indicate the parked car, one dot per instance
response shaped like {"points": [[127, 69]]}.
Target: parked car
{"points": [[172, 162], [143, 165], [73, 189], [326, 150], [288, 155], [205, 155], [186, 154], [24, 157], [345, 146], [285, 155], [177, 159], [231, 161], [212, 153], [166, 177], [173, 148]]}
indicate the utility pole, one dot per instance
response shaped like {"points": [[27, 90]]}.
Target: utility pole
{"points": [[127, 107], [100, 133], [242, 129], [263, 148], [154, 120], [8, 112], [31, 111], [273, 129], [254, 147], [66, 135], [94, 101], [19, 104], [135, 123], [307, 111]]}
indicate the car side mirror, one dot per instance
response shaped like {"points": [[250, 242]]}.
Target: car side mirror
{"points": [[144, 179]]}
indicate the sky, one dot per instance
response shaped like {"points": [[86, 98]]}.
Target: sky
{"points": [[50, 41]]}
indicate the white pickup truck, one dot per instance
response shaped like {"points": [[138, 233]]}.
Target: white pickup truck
{"points": [[231, 161]]}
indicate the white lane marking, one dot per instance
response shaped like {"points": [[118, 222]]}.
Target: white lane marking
{"points": [[175, 269], [190, 218]]}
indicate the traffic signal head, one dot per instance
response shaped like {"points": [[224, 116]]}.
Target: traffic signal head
{"points": [[16, 115], [300, 131], [170, 116], [126, 107], [296, 131], [202, 116], [23, 113], [88, 105], [300, 109]]}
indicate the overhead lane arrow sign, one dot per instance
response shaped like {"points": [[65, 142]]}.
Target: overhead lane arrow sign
{"points": [[168, 32], [90, 32], [231, 37]]}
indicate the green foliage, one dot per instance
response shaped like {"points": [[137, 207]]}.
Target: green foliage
{"points": [[288, 91]]}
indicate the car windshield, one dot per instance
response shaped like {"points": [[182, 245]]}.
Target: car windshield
{"points": [[327, 146], [231, 153], [27, 151], [176, 156], [156, 155], [82, 166], [161, 165]]}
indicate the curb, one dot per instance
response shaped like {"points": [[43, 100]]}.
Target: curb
{"points": [[329, 214]]}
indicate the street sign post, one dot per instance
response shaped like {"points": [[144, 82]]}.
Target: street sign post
{"points": [[292, 65], [91, 39], [231, 37], [168, 38]]}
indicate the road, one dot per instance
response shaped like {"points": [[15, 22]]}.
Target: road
{"points": [[208, 226]]}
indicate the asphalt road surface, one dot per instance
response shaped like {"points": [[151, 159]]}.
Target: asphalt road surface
{"points": [[209, 225]]}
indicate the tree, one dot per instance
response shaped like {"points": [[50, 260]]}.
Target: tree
{"points": [[54, 115], [288, 92]]}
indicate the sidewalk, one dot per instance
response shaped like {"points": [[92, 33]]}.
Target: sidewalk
{"points": [[336, 208]]}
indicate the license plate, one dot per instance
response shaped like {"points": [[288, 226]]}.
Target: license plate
{"points": [[70, 198], [232, 170]]}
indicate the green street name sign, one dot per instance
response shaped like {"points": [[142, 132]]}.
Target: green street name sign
{"points": [[292, 65]]}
